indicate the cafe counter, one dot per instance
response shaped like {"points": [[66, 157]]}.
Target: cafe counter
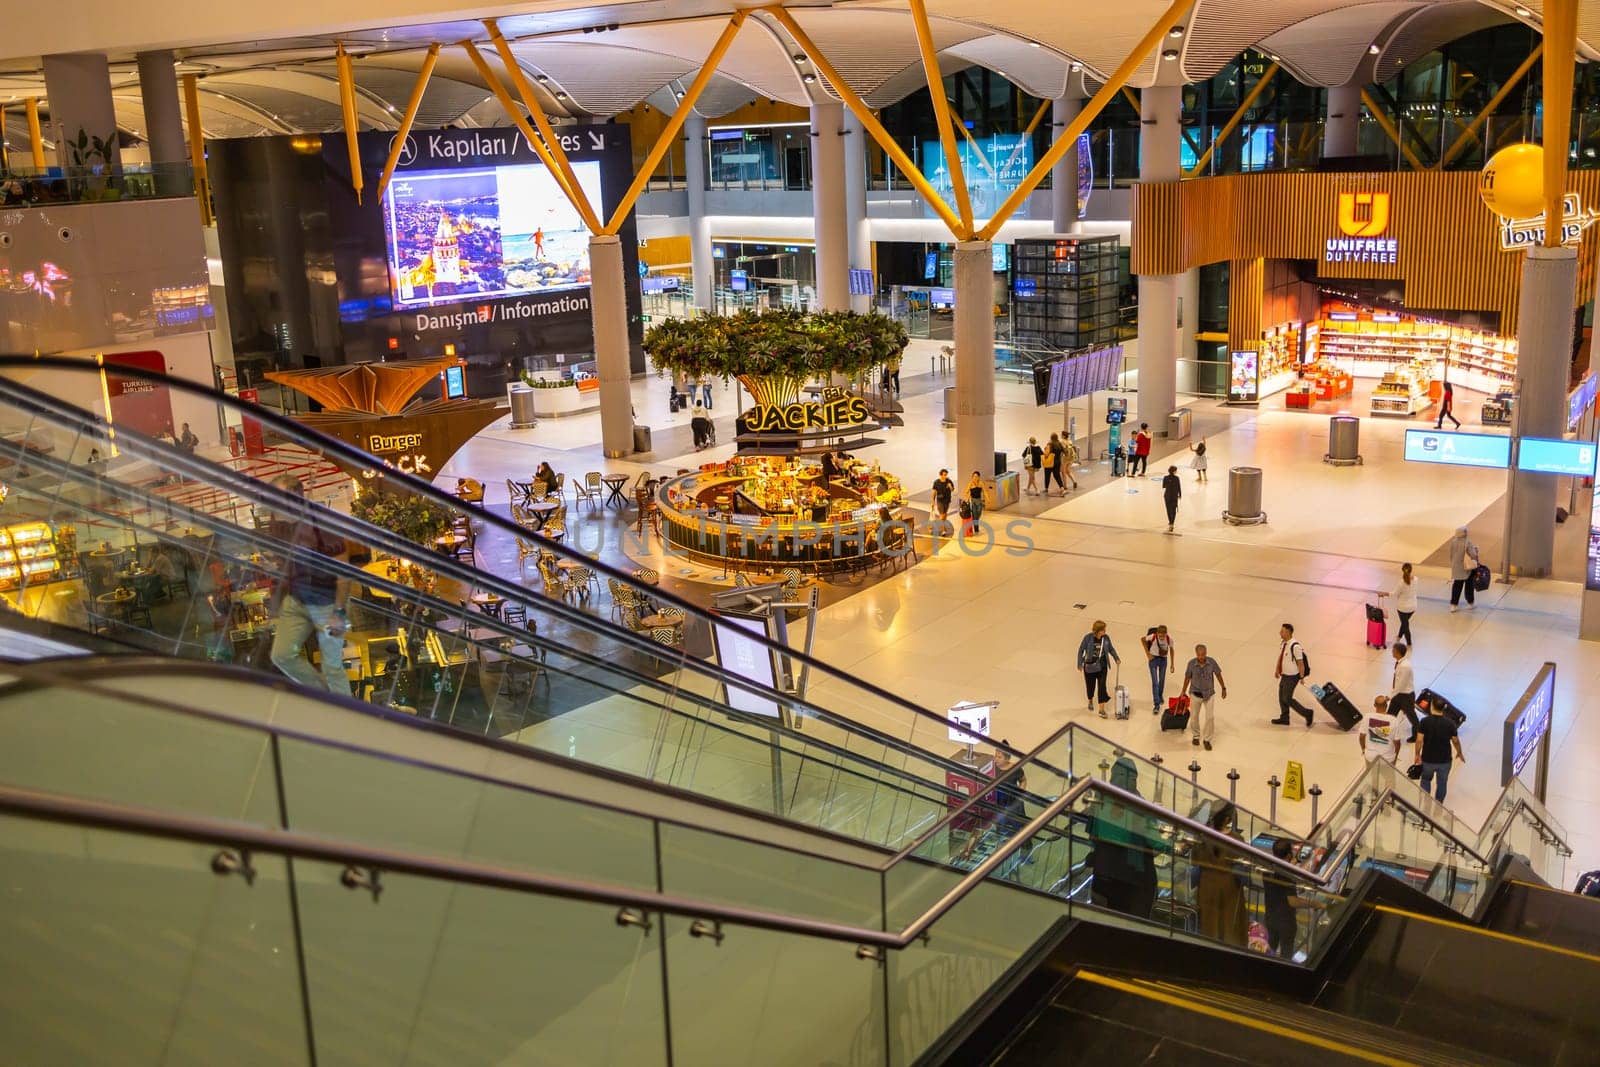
{"points": [[762, 511]]}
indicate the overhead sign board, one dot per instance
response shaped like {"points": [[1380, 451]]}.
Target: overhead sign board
{"points": [[1527, 731], [1490, 451], [1550, 455]]}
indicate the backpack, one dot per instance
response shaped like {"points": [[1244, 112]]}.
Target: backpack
{"points": [[1305, 660]]}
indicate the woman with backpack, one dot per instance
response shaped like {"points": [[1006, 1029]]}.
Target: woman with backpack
{"points": [[1095, 653], [1032, 459], [1052, 462], [1069, 459]]}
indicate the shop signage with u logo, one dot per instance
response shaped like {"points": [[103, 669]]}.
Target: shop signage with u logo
{"points": [[1517, 235], [1363, 220]]}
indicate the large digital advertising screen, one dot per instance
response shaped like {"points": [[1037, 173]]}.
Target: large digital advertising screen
{"points": [[493, 232], [1492, 451]]}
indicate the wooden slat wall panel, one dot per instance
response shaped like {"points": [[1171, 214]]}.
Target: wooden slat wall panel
{"points": [[1246, 278], [1450, 256]]}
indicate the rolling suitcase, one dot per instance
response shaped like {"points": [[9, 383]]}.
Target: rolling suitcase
{"points": [[1377, 627], [1121, 706], [1118, 461], [1337, 705], [1176, 717], [1428, 698]]}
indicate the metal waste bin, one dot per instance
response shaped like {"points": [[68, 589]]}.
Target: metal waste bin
{"points": [[1244, 497], [522, 415], [949, 406], [641, 438], [1344, 441], [1179, 424]]}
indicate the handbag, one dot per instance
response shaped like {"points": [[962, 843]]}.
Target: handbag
{"points": [[964, 508], [1414, 772]]}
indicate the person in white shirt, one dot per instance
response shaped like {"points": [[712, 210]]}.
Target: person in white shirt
{"points": [[1290, 672], [1380, 736], [1403, 688], [1405, 604]]}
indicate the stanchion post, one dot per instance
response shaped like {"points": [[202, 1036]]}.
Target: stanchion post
{"points": [[1156, 759], [1272, 811], [1194, 772], [1316, 793], [1233, 786]]}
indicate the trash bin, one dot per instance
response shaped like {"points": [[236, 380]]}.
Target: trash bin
{"points": [[1180, 424], [1001, 463], [1344, 441], [1244, 497], [949, 406], [641, 438], [1006, 490], [522, 406]]}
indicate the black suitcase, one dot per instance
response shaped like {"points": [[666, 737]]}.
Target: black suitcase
{"points": [[1338, 705], [1588, 884], [1176, 714], [1428, 698], [1118, 462]]}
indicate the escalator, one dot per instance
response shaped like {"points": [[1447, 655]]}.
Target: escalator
{"points": [[1537, 912], [195, 549]]}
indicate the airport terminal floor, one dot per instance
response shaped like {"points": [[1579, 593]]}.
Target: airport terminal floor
{"points": [[971, 622]]}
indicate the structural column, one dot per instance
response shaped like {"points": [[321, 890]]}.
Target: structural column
{"points": [[1160, 108], [1343, 121], [974, 340], [859, 254], [828, 205], [1064, 175], [702, 264], [78, 90], [163, 121], [609, 309], [1544, 353]]}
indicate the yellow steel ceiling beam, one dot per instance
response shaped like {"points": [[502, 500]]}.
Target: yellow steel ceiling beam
{"points": [[1560, 50], [941, 115], [347, 101], [1504, 91], [408, 118], [1246, 104]]}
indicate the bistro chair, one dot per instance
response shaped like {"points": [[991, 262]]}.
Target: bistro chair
{"points": [[541, 490], [589, 490], [793, 579]]}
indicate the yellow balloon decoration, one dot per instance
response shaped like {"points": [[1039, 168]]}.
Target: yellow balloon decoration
{"points": [[1512, 183]]}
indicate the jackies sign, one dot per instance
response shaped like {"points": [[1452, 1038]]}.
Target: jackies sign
{"points": [[832, 412]]}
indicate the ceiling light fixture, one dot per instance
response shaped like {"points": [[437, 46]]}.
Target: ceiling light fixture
{"points": [[809, 78], [1373, 49], [1272, 57], [1034, 44], [1176, 31], [1170, 54], [799, 57], [1075, 67], [561, 95], [1523, 12]]}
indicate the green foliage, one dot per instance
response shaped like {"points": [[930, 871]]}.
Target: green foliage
{"points": [[412, 517], [87, 149], [775, 344], [541, 383]]}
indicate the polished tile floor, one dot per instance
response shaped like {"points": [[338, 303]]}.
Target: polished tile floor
{"points": [[1003, 622]]}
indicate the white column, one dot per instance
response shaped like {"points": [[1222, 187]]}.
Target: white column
{"points": [[1342, 121], [608, 306], [974, 339], [78, 90], [163, 122], [855, 204], [1159, 137], [701, 263], [1544, 352], [1064, 176], [828, 205]]}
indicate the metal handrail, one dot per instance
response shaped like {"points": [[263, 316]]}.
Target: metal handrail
{"points": [[55, 807], [332, 446]]}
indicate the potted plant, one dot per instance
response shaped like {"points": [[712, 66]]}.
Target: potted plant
{"points": [[415, 518]]}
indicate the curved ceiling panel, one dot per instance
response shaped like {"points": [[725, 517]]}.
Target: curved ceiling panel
{"points": [[445, 100], [868, 47], [1431, 26], [602, 79], [1329, 48], [1040, 71], [284, 107]]}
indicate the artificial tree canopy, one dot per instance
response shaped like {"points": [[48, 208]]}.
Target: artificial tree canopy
{"points": [[775, 344]]}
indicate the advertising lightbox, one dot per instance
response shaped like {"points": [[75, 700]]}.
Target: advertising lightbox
{"points": [[1548, 455]]}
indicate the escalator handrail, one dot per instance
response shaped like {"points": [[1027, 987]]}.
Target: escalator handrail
{"points": [[327, 445], [55, 807]]}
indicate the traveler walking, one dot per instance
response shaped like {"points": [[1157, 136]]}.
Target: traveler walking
{"points": [[1280, 904], [700, 426], [1124, 842], [1069, 460], [1198, 464], [1380, 738], [1461, 550], [1447, 407], [943, 490], [1141, 451], [1051, 458], [1290, 672], [705, 392], [1171, 490], [1032, 460], [1158, 652], [1202, 678], [1095, 652], [973, 510], [1405, 604], [1403, 688], [308, 598], [1435, 739], [1220, 896]]}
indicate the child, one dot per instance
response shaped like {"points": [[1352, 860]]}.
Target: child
{"points": [[1381, 737], [1198, 463]]}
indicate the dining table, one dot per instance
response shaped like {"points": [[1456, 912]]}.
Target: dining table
{"points": [[615, 483], [541, 510]]}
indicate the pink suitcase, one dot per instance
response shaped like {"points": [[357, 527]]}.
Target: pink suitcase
{"points": [[1377, 627]]}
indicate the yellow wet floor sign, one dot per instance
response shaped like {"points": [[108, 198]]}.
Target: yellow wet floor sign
{"points": [[1294, 782]]}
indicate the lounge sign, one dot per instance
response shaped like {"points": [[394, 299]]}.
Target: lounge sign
{"points": [[1517, 235], [838, 411]]}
